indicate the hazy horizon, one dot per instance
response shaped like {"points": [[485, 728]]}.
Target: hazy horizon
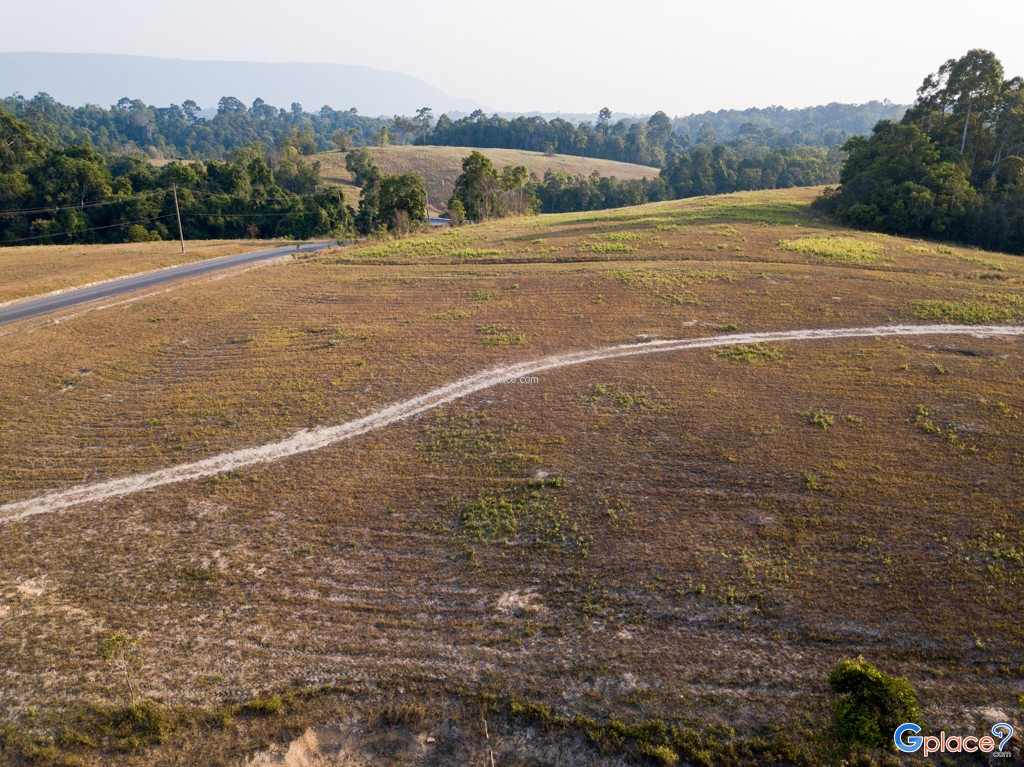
{"points": [[572, 58], [486, 107]]}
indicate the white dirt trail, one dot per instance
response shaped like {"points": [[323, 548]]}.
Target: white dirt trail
{"points": [[308, 440]]}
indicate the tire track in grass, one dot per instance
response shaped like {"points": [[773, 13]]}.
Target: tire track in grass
{"points": [[308, 440]]}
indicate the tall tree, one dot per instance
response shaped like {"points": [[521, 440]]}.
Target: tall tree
{"points": [[477, 188], [403, 202], [424, 117], [964, 92], [954, 166]]}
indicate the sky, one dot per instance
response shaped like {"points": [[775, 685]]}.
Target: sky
{"points": [[633, 56]]}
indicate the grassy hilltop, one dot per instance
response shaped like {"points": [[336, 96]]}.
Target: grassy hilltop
{"points": [[630, 561], [440, 166]]}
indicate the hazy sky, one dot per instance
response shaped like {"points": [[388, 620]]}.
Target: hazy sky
{"points": [[561, 55]]}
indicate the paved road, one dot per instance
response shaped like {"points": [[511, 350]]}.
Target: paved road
{"points": [[47, 304]]}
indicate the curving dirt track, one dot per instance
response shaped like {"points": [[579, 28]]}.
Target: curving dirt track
{"points": [[314, 439]]}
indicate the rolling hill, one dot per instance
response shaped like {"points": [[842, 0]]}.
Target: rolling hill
{"points": [[611, 488], [440, 166]]}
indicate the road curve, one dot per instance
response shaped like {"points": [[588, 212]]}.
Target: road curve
{"points": [[308, 440], [37, 307]]}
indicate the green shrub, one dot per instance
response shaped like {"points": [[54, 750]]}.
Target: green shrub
{"points": [[873, 704], [822, 419], [137, 233], [264, 706], [123, 728]]}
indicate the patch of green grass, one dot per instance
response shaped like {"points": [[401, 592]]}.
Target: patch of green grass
{"points": [[654, 741], [812, 483], [607, 247], [121, 728], [528, 516], [750, 353], [1000, 548], [836, 248], [668, 285], [454, 314], [966, 312], [770, 213], [270, 705], [432, 245], [477, 252], [502, 335], [668, 278], [724, 230], [1006, 411], [1008, 300], [822, 419], [619, 400], [924, 419], [618, 237], [463, 436], [988, 263]]}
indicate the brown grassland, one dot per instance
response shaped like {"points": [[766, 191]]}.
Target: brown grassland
{"points": [[440, 166], [638, 561], [37, 269]]}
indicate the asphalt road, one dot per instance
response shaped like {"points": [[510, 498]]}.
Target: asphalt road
{"points": [[47, 304]]}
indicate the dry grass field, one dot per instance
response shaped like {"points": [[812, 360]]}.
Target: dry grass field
{"points": [[440, 166], [38, 269], [647, 560]]}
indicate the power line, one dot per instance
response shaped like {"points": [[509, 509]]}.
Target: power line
{"points": [[215, 214], [83, 206], [90, 229], [264, 199], [137, 195]]}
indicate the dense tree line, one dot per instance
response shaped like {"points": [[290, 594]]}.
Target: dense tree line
{"points": [[75, 194], [654, 141], [953, 167], [738, 166], [131, 126], [634, 141], [561, 192], [776, 127], [186, 131]]}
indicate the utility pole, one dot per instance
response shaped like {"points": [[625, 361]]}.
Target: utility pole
{"points": [[177, 211]]}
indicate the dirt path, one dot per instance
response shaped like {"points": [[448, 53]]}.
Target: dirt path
{"points": [[314, 439]]}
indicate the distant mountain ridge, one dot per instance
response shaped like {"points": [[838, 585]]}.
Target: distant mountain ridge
{"points": [[103, 79]]}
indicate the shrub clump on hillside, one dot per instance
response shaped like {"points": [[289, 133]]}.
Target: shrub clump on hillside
{"points": [[872, 703]]}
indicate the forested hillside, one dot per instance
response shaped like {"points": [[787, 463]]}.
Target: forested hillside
{"points": [[75, 194], [77, 174], [182, 131], [646, 142], [826, 125], [190, 132]]}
